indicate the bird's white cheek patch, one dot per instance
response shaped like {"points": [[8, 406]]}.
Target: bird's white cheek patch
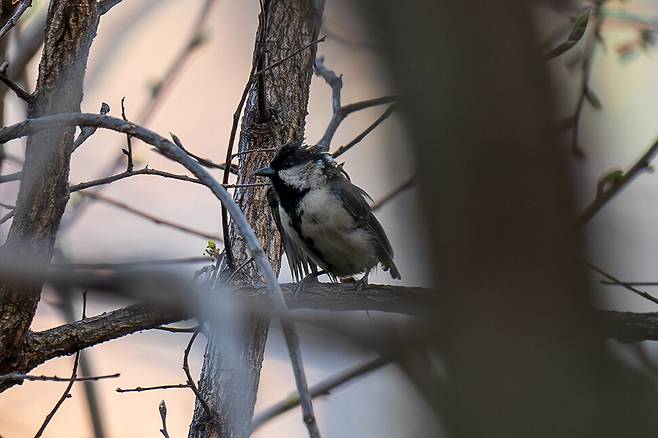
{"points": [[294, 177]]}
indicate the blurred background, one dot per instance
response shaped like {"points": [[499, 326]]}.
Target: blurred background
{"points": [[136, 43]]}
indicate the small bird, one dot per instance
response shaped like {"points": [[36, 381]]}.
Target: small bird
{"points": [[325, 220]]}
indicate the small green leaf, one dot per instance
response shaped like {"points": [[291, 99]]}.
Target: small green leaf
{"points": [[577, 32], [611, 178]]}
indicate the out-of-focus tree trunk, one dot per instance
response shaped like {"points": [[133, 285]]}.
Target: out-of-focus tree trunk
{"points": [[522, 349], [70, 30], [274, 114]]}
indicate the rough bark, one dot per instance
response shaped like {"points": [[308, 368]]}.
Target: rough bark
{"points": [[70, 30], [274, 115]]}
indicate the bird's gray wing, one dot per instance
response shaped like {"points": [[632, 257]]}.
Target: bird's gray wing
{"points": [[300, 264], [355, 201]]}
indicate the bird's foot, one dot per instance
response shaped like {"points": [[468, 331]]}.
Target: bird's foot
{"points": [[310, 279], [361, 284]]}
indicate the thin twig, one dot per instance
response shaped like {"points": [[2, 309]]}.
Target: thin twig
{"points": [[321, 389], [254, 151], [629, 283], [31, 377], [623, 284], [74, 375], [152, 218], [178, 329], [6, 217], [13, 86], [16, 176], [340, 112], [129, 151], [586, 73], [404, 186], [385, 115], [163, 415], [20, 10], [238, 269], [229, 155], [295, 53], [152, 388], [190, 379], [134, 264], [604, 195], [88, 131], [127, 174]]}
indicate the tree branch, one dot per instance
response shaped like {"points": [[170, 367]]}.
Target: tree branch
{"points": [[20, 10], [152, 218], [607, 193], [67, 339]]}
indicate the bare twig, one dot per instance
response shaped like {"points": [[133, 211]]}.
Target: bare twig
{"points": [[227, 165], [606, 193], [17, 176], [30, 377], [177, 329], [152, 218], [6, 217], [623, 284], [132, 265], [163, 415], [385, 115], [295, 53], [128, 152], [152, 388], [127, 174], [586, 72], [13, 86], [340, 112], [321, 389], [190, 379], [20, 10], [74, 375], [404, 186], [88, 131]]}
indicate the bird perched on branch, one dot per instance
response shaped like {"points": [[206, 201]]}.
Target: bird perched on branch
{"points": [[325, 220]]}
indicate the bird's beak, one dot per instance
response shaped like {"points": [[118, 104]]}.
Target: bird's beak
{"points": [[267, 172]]}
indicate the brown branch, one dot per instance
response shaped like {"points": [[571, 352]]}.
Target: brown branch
{"points": [[190, 379], [606, 194], [74, 375], [586, 72], [20, 10], [617, 282], [134, 264], [152, 218], [152, 388], [127, 174], [42, 378], [385, 115], [163, 415], [340, 112], [13, 86], [88, 131], [321, 389], [69, 338], [295, 53], [128, 152], [17, 176]]}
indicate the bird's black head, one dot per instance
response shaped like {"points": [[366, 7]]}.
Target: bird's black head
{"points": [[296, 166]]}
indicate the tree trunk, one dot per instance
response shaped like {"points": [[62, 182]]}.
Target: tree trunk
{"points": [[70, 30], [274, 115]]}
